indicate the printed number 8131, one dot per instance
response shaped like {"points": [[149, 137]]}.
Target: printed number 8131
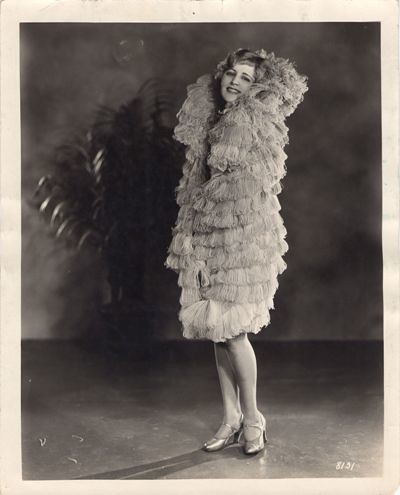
{"points": [[348, 466]]}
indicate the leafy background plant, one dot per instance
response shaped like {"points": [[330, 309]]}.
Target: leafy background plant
{"points": [[109, 191]]}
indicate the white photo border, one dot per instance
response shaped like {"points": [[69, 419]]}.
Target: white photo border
{"points": [[14, 12]]}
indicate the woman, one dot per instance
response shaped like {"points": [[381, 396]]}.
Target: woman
{"points": [[228, 240]]}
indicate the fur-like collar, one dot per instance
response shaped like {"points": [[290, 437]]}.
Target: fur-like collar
{"points": [[268, 102]]}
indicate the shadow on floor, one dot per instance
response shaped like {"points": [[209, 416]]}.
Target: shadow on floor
{"points": [[88, 415], [160, 469]]}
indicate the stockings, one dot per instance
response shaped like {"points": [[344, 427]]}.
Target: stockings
{"points": [[237, 372]]}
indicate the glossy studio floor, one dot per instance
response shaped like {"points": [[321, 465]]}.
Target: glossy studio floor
{"points": [[101, 414]]}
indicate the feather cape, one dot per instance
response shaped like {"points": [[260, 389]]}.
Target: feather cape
{"points": [[229, 238]]}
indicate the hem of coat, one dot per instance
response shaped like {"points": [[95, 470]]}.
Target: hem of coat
{"points": [[193, 332], [190, 335]]}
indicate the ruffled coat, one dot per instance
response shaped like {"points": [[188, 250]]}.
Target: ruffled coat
{"points": [[229, 238]]}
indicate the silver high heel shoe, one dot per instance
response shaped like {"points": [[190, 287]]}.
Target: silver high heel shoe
{"points": [[256, 445], [219, 443]]}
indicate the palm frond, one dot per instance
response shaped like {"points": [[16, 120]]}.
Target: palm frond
{"points": [[109, 183]]}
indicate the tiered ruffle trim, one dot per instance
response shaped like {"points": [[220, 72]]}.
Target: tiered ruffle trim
{"points": [[228, 241], [218, 321]]}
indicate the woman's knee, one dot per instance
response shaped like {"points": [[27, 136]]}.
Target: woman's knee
{"points": [[236, 343]]}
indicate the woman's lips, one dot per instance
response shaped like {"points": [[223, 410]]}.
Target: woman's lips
{"points": [[232, 90]]}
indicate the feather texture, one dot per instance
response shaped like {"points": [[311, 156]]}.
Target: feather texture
{"points": [[229, 238]]}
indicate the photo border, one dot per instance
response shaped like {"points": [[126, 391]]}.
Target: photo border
{"points": [[13, 12]]}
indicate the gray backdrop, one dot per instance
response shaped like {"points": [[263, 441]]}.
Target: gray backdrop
{"points": [[331, 198]]}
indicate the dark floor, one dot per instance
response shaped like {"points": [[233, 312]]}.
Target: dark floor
{"points": [[86, 414]]}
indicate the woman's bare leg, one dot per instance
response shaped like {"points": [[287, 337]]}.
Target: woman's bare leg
{"points": [[243, 359], [228, 383]]}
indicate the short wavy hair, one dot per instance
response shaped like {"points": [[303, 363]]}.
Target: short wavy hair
{"points": [[275, 77], [241, 55]]}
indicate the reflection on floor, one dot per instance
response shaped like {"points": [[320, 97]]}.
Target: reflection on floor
{"points": [[87, 414]]}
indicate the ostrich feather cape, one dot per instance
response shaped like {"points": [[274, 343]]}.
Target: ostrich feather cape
{"points": [[229, 238]]}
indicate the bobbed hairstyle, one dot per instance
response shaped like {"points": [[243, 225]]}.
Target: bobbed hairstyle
{"points": [[277, 82], [242, 55]]}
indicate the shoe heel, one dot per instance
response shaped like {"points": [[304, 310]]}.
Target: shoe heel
{"points": [[264, 430], [237, 436]]}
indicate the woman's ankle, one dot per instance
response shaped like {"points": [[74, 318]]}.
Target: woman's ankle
{"points": [[233, 418], [252, 418]]}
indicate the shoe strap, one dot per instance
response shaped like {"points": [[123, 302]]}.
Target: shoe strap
{"points": [[229, 426], [234, 430], [260, 426]]}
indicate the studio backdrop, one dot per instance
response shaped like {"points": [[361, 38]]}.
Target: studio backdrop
{"points": [[99, 168]]}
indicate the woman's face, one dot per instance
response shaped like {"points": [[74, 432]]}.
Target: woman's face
{"points": [[236, 81]]}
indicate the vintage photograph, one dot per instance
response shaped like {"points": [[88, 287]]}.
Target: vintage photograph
{"points": [[202, 259], [203, 232]]}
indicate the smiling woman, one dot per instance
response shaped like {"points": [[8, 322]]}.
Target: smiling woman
{"points": [[237, 81], [228, 240], [319, 361]]}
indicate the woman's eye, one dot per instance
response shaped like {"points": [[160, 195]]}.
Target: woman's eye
{"points": [[246, 79]]}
